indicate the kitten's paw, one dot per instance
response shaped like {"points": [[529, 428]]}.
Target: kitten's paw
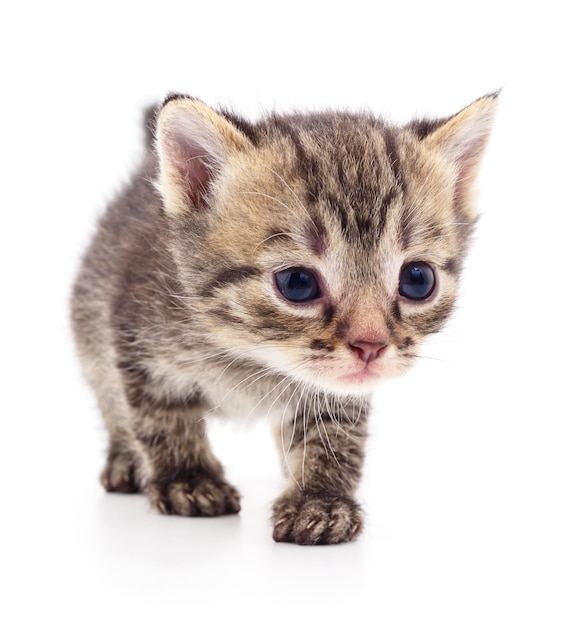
{"points": [[201, 495], [119, 474], [312, 518]]}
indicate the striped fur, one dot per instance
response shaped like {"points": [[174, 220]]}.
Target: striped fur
{"points": [[177, 315]]}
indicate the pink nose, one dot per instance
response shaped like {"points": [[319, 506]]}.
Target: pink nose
{"points": [[368, 351]]}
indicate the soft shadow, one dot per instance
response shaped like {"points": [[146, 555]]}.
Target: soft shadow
{"points": [[129, 529]]}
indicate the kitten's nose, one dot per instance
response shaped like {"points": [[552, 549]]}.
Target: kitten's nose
{"points": [[368, 351]]}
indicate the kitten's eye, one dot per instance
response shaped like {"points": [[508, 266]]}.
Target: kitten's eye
{"points": [[297, 284], [416, 281]]}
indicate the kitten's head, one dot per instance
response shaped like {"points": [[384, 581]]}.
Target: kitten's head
{"points": [[325, 246]]}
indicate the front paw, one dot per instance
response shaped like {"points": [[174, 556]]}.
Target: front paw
{"points": [[200, 495], [310, 518]]}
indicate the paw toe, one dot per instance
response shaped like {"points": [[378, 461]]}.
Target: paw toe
{"points": [[313, 519], [201, 496]]}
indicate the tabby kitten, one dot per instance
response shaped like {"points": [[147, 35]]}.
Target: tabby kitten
{"points": [[283, 267]]}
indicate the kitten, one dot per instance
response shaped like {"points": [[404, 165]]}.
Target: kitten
{"points": [[283, 267]]}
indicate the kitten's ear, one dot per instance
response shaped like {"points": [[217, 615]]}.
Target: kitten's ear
{"points": [[462, 139], [193, 144]]}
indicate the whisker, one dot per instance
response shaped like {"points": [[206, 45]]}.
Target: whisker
{"points": [[254, 377], [305, 441], [330, 446], [300, 203], [293, 236], [269, 197], [290, 380], [431, 358]]}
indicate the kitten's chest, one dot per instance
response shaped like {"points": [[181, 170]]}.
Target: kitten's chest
{"points": [[229, 388]]}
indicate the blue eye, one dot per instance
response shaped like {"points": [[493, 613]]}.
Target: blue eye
{"points": [[416, 281], [297, 284]]}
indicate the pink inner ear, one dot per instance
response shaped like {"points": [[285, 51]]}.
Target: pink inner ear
{"points": [[467, 166], [191, 162], [468, 161]]}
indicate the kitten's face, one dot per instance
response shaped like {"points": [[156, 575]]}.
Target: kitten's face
{"points": [[328, 249]]}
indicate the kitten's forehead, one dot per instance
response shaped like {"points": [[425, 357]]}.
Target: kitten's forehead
{"points": [[357, 183], [365, 177], [339, 174], [349, 169], [345, 187]]}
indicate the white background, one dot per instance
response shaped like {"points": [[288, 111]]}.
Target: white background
{"points": [[474, 480]]}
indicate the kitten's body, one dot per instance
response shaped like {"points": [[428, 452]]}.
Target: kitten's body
{"points": [[187, 301]]}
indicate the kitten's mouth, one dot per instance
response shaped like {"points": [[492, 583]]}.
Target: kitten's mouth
{"points": [[370, 376], [359, 377], [362, 376]]}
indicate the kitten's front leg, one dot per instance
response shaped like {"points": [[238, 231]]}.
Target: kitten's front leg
{"points": [[323, 452], [180, 473], [184, 477]]}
